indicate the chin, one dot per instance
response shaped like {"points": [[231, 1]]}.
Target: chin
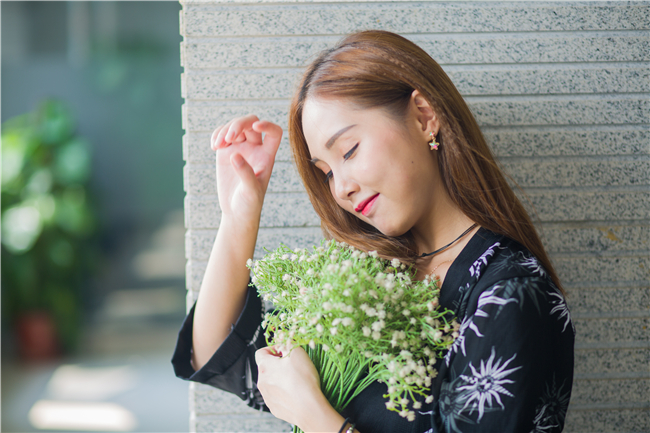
{"points": [[392, 230]]}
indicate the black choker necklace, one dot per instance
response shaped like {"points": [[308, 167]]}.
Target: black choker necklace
{"points": [[439, 250]]}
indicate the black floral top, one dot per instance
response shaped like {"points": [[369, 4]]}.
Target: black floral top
{"points": [[510, 370]]}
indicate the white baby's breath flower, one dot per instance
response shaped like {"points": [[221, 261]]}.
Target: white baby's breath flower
{"points": [[326, 347], [338, 348], [347, 321], [249, 263], [312, 344], [429, 399], [366, 331], [390, 405], [376, 335], [395, 263], [378, 325], [319, 328], [334, 331], [373, 254], [327, 306], [411, 416], [417, 405]]}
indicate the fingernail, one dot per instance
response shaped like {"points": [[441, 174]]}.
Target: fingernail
{"points": [[238, 160]]}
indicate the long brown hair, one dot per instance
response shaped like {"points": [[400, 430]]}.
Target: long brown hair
{"points": [[378, 69]]}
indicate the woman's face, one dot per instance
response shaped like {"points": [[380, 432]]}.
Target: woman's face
{"points": [[380, 170]]}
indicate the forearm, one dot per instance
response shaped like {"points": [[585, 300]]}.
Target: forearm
{"points": [[223, 290], [321, 417]]}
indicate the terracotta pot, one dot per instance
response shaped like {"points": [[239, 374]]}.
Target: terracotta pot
{"points": [[37, 338]]}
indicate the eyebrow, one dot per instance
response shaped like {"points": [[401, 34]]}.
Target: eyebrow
{"points": [[332, 139]]}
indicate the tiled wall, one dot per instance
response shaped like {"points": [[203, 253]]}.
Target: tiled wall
{"points": [[561, 91]]}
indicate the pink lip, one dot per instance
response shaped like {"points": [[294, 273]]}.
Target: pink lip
{"points": [[365, 206]]}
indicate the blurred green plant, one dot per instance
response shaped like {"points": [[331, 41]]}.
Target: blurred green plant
{"points": [[48, 218]]}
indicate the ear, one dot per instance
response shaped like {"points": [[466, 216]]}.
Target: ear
{"points": [[424, 114]]}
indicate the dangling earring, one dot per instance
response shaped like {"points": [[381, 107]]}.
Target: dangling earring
{"points": [[433, 143]]}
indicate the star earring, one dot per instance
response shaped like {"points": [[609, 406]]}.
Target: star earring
{"points": [[433, 143]]}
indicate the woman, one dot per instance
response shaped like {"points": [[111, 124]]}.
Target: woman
{"points": [[393, 161]]}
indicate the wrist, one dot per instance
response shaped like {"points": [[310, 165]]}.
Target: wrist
{"points": [[239, 226], [321, 417]]}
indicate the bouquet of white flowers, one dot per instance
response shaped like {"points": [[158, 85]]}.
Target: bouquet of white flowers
{"points": [[360, 318]]}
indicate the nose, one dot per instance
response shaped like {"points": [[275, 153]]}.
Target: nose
{"points": [[344, 186]]}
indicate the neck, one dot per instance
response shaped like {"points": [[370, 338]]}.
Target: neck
{"points": [[442, 224]]}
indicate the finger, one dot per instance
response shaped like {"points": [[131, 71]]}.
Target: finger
{"points": [[272, 137], [264, 353], [243, 170], [220, 134], [238, 126], [213, 137]]}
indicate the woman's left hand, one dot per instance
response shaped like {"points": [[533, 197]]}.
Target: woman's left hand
{"points": [[290, 386]]}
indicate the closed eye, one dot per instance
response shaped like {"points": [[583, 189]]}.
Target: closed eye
{"points": [[349, 154]]}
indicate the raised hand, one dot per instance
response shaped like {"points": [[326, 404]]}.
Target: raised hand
{"points": [[246, 149]]}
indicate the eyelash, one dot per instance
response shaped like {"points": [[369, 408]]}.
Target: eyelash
{"points": [[347, 156]]}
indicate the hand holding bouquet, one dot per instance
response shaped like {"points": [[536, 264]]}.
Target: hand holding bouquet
{"points": [[360, 318]]}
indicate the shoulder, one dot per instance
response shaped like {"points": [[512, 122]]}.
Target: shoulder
{"points": [[505, 273]]}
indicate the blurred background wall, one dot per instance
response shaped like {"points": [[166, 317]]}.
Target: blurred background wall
{"points": [[114, 69], [561, 91]]}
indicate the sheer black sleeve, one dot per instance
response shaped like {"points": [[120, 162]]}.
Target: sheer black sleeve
{"points": [[232, 368]]}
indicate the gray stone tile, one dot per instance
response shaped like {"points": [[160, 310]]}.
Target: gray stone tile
{"points": [[288, 210], [567, 172], [609, 301], [594, 391], [603, 270], [257, 422], [607, 420], [206, 117], [193, 277], [270, 239], [292, 51], [202, 212], [577, 110], [470, 81], [611, 361], [569, 141], [343, 17], [576, 205], [609, 330], [567, 238], [212, 401], [198, 244]]}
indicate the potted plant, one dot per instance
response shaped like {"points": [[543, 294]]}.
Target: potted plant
{"points": [[48, 228]]}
